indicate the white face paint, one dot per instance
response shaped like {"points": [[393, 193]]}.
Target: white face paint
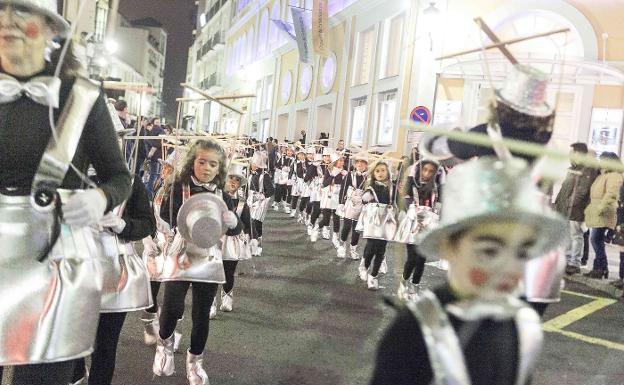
{"points": [[487, 261]]}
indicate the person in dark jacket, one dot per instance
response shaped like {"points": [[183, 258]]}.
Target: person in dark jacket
{"points": [[571, 202]]}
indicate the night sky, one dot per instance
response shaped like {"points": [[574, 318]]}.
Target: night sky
{"points": [[176, 17]]}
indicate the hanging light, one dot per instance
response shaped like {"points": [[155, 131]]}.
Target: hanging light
{"points": [[431, 16]]}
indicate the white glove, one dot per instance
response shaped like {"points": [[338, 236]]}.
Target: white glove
{"points": [[85, 208], [113, 222], [356, 199], [230, 220], [150, 248]]}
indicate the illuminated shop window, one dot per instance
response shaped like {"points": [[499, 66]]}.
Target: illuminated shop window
{"points": [[386, 117], [358, 121]]}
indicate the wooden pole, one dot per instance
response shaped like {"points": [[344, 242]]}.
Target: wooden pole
{"points": [[495, 39], [209, 97], [503, 43]]}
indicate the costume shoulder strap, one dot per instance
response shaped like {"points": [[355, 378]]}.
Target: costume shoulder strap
{"points": [[530, 337]]}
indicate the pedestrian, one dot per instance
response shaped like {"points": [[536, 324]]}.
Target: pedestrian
{"points": [[421, 190], [297, 173], [261, 190], [53, 318], [204, 171], [235, 248], [380, 194], [474, 329], [303, 137], [601, 213], [136, 223], [330, 195], [351, 197], [571, 201]]}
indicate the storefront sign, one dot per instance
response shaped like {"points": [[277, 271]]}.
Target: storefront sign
{"points": [[319, 27], [302, 32], [606, 130], [421, 114]]}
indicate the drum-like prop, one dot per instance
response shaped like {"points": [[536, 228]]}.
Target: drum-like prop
{"points": [[416, 224], [378, 221]]}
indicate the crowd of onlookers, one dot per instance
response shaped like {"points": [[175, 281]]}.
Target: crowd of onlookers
{"points": [[593, 202]]}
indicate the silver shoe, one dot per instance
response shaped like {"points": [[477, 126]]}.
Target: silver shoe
{"points": [[213, 310], [336, 240], [362, 270], [150, 327], [354, 253], [227, 301], [383, 269], [164, 364], [325, 232], [314, 234], [341, 251], [195, 373], [372, 283]]}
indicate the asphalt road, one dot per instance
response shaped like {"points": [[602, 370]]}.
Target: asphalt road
{"points": [[302, 317]]}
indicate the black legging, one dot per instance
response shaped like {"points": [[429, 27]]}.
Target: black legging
{"points": [[58, 373], [173, 309], [303, 204], [349, 225], [288, 198], [415, 263], [327, 214], [375, 248], [105, 353], [155, 286], [293, 203], [280, 192], [257, 229], [316, 212], [230, 269]]}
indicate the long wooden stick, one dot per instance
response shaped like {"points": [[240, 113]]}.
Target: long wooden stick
{"points": [[503, 43], [210, 97], [486, 29], [518, 146]]}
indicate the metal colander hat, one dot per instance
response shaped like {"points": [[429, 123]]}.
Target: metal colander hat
{"points": [[46, 8], [486, 190]]}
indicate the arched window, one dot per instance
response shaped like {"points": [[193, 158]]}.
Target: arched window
{"points": [[263, 33], [274, 33], [250, 45]]}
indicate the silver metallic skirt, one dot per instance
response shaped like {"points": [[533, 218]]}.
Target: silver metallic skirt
{"points": [[50, 304]]}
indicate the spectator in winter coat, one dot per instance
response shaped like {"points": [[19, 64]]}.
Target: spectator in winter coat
{"points": [[571, 202]]}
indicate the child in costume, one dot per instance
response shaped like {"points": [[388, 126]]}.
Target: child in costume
{"points": [[314, 176], [351, 198], [474, 329], [283, 167], [330, 193], [298, 184], [260, 192], [380, 194]]}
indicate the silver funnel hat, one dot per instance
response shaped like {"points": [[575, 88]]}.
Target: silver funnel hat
{"points": [[488, 189], [260, 159], [200, 219], [525, 91], [46, 8], [238, 170]]}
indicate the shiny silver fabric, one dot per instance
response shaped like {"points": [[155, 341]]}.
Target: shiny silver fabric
{"points": [[418, 221], [329, 197], [377, 221], [300, 188], [49, 310], [525, 90], [281, 175], [445, 354], [353, 210], [236, 247], [200, 219], [126, 283], [184, 261], [486, 190], [315, 189], [258, 205], [543, 277]]}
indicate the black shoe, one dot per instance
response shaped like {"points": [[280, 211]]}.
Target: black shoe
{"points": [[597, 274], [570, 269]]}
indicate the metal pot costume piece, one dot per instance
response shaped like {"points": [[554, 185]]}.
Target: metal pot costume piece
{"points": [[543, 277], [126, 283], [377, 220], [47, 8], [236, 247], [485, 190], [258, 203], [329, 197], [352, 210], [418, 221], [49, 278], [194, 254]]}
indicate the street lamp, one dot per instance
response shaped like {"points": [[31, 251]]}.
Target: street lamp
{"points": [[431, 20]]}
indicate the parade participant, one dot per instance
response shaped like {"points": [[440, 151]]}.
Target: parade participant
{"points": [[235, 248], [330, 193], [305, 207], [474, 329], [379, 190], [298, 184], [314, 176], [421, 191], [203, 171], [136, 222], [260, 192], [283, 167], [44, 160], [351, 197], [154, 154]]}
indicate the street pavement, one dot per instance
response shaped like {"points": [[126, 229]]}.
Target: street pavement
{"points": [[302, 317]]}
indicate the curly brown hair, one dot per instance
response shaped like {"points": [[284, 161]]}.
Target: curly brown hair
{"points": [[184, 176]]}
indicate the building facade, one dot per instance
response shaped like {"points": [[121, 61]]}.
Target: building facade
{"points": [[383, 64]]}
